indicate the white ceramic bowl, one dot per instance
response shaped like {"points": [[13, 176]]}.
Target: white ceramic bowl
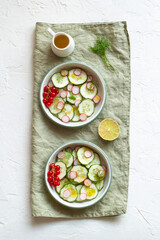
{"points": [[97, 79], [104, 161]]}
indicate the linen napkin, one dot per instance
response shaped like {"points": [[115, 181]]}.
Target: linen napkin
{"points": [[47, 136]]}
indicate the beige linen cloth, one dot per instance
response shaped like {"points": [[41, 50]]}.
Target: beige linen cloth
{"points": [[47, 136]]}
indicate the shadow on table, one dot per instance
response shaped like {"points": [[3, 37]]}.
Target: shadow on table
{"points": [[45, 220]]}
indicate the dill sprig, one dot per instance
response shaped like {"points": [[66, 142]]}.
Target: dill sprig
{"points": [[100, 47]]}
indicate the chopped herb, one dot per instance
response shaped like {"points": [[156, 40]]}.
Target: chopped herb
{"points": [[100, 48], [72, 97], [59, 78]]}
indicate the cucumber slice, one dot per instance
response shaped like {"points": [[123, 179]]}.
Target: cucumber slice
{"points": [[74, 155], [68, 169], [59, 81], [81, 157], [62, 169], [69, 149], [53, 108], [81, 173], [93, 173], [96, 160], [78, 80], [86, 106], [71, 181], [67, 110], [62, 182], [67, 159], [100, 185], [76, 114], [78, 188], [90, 191], [88, 93], [73, 193], [71, 98]]}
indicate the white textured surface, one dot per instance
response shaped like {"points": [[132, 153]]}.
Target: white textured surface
{"points": [[17, 22]]}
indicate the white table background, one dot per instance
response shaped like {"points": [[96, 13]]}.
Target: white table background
{"points": [[17, 24]]}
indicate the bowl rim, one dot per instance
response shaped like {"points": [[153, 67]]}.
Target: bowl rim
{"points": [[79, 142], [103, 83]]}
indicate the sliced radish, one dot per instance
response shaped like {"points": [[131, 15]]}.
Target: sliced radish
{"points": [[60, 105], [104, 167], [65, 119], [69, 149], [96, 99], [83, 196], [83, 117], [90, 86], [75, 90], [76, 162], [73, 174], [66, 193], [88, 154], [77, 71], [76, 148], [77, 102], [63, 94], [69, 87], [64, 73], [61, 155], [101, 173], [90, 78], [50, 84], [87, 182]]}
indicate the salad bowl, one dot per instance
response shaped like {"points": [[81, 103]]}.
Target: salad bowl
{"points": [[104, 162], [97, 81]]}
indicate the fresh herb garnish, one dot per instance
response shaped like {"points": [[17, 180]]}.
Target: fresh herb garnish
{"points": [[59, 79], [72, 97], [100, 48]]}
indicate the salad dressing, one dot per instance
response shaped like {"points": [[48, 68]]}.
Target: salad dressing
{"points": [[61, 41]]}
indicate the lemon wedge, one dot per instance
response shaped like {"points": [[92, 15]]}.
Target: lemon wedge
{"points": [[108, 129]]}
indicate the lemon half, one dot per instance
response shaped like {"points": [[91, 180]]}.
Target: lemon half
{"points": [[108, 129]]}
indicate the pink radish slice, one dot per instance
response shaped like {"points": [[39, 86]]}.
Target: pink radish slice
{"points": [[76, 148], [104, 167], [83, 196], [69, 87], [65, 119], [90, 78], [101, 173], [96, 99], [50, 84], [75, 90], [64, 73], [68, 149], [66, 193], [90, 86], [73, 174], [61, 155], [63, 94], [77, 102], [83, 117], [60, 105], [88, 154], [77, 71], [76, 162], [87, 182]]}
